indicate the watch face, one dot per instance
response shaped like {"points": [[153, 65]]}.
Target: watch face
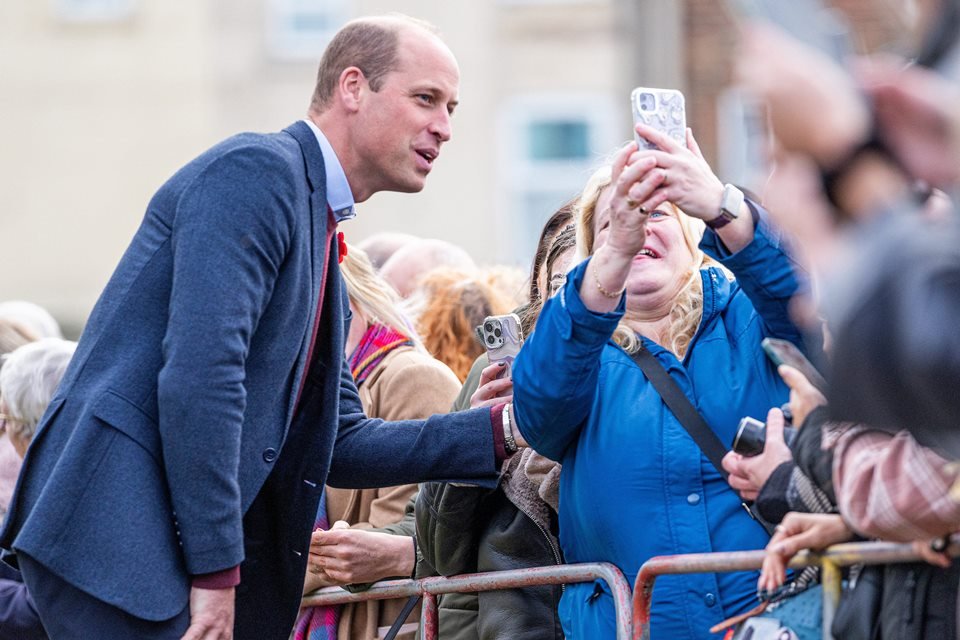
{"points": [[730, 203]]}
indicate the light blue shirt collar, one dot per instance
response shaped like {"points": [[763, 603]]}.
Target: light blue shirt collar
{"points": [[339, 195]]}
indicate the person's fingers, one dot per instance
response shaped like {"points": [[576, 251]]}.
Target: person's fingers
{"points": [[331, 537], [772, 573], [496, 388], [633, 174], [775, 425], [794, 379], [490, 373], [194, 632], [340, 524], [731, 462], [657, 137], [620, 160], [936, 558], [659, 196]]}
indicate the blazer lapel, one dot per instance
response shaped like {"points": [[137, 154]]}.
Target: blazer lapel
{"points": [[319, 219]]}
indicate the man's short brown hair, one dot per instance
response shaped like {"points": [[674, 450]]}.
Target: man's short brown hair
{"points": [[371, 45]]}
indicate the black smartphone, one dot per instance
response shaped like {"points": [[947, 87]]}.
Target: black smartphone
{"points": [[784, 352]]}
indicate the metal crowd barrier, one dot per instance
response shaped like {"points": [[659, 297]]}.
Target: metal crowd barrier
{"points": [[829, 560], [637, 626], [430, 588]]}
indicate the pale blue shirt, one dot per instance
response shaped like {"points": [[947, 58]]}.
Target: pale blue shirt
{"points": [[339, 194]]}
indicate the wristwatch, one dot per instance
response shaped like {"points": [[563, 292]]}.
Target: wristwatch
{"points": [[730, 205]]}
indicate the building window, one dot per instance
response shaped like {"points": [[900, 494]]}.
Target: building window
{"points": [[549, 146], [743, 141], [301, 29], [94, 10]]}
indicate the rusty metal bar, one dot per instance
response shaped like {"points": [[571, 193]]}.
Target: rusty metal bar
{"points": [[840, 555], [491, 581], [430, 617]]}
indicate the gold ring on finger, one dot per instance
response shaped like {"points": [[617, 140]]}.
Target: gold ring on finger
{"points": [[632, 204]]}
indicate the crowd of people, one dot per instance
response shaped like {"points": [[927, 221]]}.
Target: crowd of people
{"points": [[257, 409]]}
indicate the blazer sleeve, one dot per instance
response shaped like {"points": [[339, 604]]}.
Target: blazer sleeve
{"points": [[413, 386], [232, 231], [456, 447]]}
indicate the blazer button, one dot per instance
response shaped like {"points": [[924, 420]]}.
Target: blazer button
{"points": [[269, 455]]}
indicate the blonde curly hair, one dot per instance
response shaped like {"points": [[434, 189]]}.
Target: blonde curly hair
{"points": [[687, 308]]}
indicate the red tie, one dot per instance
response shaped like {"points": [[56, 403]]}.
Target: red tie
{"points": [[331, 229]]}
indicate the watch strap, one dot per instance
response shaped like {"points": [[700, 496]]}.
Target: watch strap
{"points": [[730, 205]]}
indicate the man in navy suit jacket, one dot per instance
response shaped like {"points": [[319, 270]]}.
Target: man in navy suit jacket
{"points": [[173, 483]]}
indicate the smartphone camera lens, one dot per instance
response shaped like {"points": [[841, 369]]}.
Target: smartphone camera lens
{"points": [[488, 327], [497, 332], [648, 102]]}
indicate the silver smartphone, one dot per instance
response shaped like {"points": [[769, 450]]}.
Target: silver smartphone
{"points": [[502, 337], [662, 109]]}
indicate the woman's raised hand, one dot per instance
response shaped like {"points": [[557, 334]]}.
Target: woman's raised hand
{"points": [[632, 182], [686, 179]]}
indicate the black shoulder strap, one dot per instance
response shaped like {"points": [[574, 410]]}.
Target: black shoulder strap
{"points": [[681, 407], [404, 613], [690, 418]]}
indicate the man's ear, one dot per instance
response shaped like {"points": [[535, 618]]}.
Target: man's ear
{"points": [[351, 87]]}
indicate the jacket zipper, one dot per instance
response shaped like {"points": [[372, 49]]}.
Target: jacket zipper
{"points": [[549, 539]]}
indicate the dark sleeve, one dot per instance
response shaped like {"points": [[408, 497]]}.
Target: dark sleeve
{"points": [[232, 233], [456, 447], [18, 615], [815, 463], [772, 501]]}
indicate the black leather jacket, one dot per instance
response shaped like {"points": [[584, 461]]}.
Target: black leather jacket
{"points": [[470, 529]]}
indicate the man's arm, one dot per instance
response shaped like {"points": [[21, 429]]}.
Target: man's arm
{"points": [[457, 447]]}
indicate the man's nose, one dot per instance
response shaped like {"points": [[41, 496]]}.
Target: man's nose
{"points": [[442, 127]]}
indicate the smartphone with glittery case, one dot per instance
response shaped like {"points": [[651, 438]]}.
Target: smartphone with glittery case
{"points": [[661, 109], [502, 337]]}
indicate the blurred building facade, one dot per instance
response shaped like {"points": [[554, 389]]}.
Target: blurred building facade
{"points": [[102, 100]]}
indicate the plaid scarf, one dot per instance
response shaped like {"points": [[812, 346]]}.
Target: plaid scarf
{"points": [[318, 623], [377, 341]]}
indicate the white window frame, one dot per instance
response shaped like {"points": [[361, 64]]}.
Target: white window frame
{"points": [[284, 43], [94, 11]]}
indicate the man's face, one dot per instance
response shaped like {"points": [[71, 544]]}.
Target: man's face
{"points": [[401, 127]]}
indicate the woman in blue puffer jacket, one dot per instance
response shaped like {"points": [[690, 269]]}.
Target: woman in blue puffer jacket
{"points": [[634, 484]]}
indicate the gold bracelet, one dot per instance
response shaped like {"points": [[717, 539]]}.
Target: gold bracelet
{"points": [[604, 292]]}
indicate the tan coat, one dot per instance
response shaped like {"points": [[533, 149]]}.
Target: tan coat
{"points": [[407, 384]]}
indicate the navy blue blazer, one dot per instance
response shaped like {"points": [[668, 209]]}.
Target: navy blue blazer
{"points": [[173, 446]]}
